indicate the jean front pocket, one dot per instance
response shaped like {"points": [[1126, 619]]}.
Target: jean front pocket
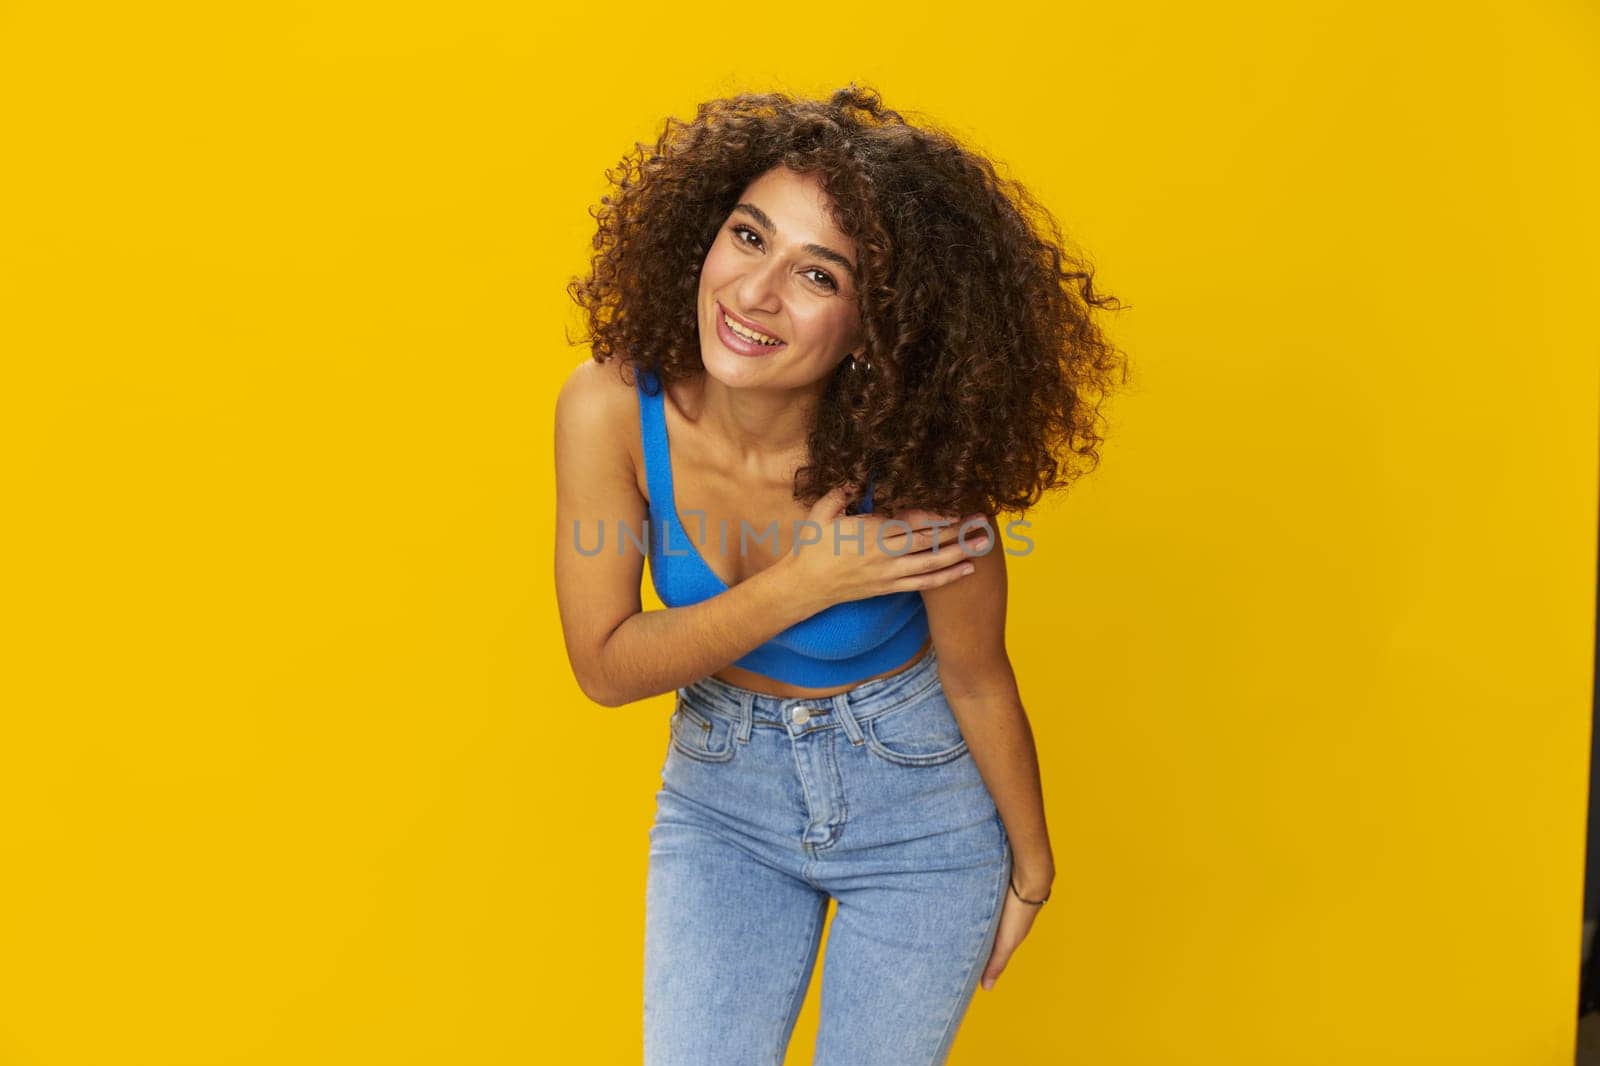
{"points": [[704, 737], [923, 732]]}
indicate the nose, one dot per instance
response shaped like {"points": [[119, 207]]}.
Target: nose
{"points": [[759, 289]]}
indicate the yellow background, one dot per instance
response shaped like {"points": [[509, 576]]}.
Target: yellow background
{"points": [[293, 768]]}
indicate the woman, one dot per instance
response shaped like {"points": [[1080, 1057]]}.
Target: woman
{"points": [[800, 309]]}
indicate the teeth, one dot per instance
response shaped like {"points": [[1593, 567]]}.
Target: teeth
{"points": [[749, 334]]}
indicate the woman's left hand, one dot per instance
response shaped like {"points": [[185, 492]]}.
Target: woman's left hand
{"points": [[1016, 918]]}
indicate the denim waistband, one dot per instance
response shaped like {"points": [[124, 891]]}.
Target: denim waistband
{"points": [[867, 700]]}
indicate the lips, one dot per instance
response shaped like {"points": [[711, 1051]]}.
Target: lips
{"points": [[737, 344]]}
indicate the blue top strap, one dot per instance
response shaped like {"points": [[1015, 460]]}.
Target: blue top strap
{"points": [[657, 460]]}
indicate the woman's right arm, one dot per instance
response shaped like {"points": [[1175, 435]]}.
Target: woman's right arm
{"points": [[619, 652]]}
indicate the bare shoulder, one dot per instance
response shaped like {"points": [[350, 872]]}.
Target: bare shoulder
{"points": [[597, 412], [596, 390]]}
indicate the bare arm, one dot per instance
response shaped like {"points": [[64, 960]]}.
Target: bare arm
{"points": [[968, 622], [658, 651], [619, 652]]}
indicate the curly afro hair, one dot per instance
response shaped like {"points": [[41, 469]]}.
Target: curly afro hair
{"points": [[988, 369]]}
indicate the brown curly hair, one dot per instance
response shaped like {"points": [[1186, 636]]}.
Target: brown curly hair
{"points": [[988, 370]]}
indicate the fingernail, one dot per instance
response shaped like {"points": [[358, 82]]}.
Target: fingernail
{"points": [[988, 983]]}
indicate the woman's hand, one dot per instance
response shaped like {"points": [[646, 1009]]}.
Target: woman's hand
{"points": [[875, 558], [1016, 918]]}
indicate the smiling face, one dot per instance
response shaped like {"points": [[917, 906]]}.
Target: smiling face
{"points": [[779, 268]]}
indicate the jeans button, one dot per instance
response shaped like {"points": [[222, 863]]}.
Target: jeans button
{"points": [[800, 715]]}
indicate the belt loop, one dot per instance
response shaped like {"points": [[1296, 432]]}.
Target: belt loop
{"points": [[747, 701], [852, 729]]}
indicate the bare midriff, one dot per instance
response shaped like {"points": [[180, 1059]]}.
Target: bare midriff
{"points": [[734, 675]]}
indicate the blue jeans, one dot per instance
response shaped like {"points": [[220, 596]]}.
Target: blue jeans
{"points": [[770, 806]]}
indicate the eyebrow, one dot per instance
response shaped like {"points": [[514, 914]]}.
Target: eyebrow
{"points": [[819, 250]]}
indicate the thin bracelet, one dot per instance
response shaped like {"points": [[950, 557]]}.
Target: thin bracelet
{"points": [[1014, 892]]}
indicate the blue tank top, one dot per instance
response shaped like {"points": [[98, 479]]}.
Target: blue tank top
{"points": [[839, 645]]}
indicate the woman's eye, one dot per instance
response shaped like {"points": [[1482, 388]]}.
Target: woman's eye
{"points": [[816, 274]]}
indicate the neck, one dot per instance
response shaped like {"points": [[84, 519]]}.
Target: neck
{"points": [[761, 425]]}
